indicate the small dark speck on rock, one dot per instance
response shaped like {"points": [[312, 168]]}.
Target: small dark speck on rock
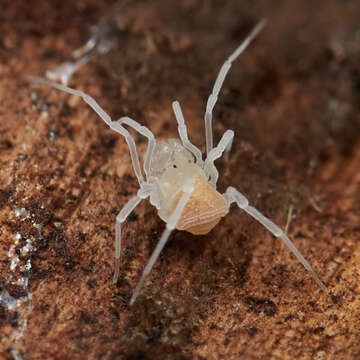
{"points": [[298, 284], [86, 318], [299, 234], [318, 330], [69, 264], [14, 319], [50, 54], [43, 242], [109, 142], [133, 217], [124, 300], [6, 144], [335, 298], [261, 305], [91, 283], [252, 331]]}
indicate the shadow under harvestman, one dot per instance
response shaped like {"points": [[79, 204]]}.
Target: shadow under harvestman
{"points": [[178, 181]]}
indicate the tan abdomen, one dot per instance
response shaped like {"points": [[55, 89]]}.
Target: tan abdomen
{"points": [[204, 209]]}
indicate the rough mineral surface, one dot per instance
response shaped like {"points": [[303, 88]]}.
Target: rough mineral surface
{"points": [[293, 100]]}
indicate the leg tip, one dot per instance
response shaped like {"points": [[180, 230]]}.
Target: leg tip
{"points": [[116, 270]]}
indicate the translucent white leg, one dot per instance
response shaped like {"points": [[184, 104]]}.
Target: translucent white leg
{"points": [[121, 217], [115, 125], [183, 133], [229, 146], [232, 195], [170, 226], [143, 130], [215, 153], [219, 82]]}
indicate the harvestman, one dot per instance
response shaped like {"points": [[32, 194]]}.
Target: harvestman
{"points": [[179, 183]]}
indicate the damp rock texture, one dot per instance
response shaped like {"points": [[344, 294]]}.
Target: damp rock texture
{"points": [[293, 100]]}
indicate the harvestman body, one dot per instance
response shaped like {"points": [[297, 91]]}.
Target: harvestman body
{"points": [[179, 183]]}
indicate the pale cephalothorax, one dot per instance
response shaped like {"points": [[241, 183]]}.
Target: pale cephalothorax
{"points": [[178, 181]]}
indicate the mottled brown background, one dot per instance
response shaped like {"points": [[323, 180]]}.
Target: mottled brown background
{"points": [[236, 293]]}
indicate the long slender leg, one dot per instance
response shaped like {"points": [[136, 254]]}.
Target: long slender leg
{"points": [[219, 82], [114, 125], [143, 130], [183, 133], [234, 195], [121, 217], [214, 154], [170, 226]]}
